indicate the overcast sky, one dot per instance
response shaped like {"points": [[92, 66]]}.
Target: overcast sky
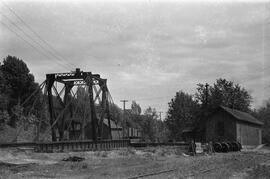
{"points": [[147, 50]]}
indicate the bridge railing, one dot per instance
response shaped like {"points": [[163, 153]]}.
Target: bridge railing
{"points": [[88, 145], [154, 144], [82, 145]]}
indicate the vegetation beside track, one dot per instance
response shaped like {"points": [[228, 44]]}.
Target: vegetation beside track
{"points": [[130, 162]]}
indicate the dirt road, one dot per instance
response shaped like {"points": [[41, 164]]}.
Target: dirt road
{"points": [[165, 162]]}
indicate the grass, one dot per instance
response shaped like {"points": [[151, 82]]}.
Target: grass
{"points": [[260, 171], [103, 154], [127, 162], [126, 152]]}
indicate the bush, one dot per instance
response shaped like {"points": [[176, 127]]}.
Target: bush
{"points": [[178, 151], [162, 152], [101, 154], [4, 118], [126, 152]]}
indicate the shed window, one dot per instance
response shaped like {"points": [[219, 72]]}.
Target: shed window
{"points": [[220, 128]]}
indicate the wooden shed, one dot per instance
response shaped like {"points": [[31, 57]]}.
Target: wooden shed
{"points": [[227, 124]]}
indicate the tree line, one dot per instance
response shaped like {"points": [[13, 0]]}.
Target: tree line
{"points": [[184, 109], [190, 110]]}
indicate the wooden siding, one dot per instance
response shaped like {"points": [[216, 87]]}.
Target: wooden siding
{"points": [[248, 134], [212, 127]]}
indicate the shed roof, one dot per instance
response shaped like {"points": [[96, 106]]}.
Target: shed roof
{"points": [[241, 116]]}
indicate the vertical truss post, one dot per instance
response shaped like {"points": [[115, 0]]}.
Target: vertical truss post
{"points": [[49, 83], [108, 112], [102, 85], [89, 81], [40, 121]]}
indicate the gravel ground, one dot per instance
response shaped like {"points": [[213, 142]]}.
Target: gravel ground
{"points": [[129, 163]]}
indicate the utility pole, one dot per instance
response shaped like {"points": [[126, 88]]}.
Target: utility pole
{"points": [[160, 128], [124, 117], [124, 104], [205, 108]]}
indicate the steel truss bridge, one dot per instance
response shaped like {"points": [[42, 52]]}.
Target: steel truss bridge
{"points": [[87, 90]]}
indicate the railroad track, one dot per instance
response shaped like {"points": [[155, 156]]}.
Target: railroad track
{"points": [[85, 145], [82, 145], [61, 146], [172, 170], [15, 144], [192, 174]]}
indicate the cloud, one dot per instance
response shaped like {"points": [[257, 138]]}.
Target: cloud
{"points": [[147, 73], [149, 49]]}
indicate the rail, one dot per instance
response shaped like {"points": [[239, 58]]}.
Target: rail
{"points": [[154, 144], [87, 145], [82, 145], [15, 144]]}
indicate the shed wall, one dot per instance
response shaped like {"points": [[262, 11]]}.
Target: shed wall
{"points": [[248, 134], [213, 126]]}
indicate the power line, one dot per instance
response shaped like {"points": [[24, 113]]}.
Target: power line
{"points": [[27, 35], [24, 40], [34, 32], [38, 36], [152, 98]]}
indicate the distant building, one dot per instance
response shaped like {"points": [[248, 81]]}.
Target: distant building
{"points": [[227, 124], [134, 133], [132, 129], [116, 130], [74, 131]]}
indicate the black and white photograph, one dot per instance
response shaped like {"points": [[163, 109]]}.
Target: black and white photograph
{"points": [[134, 89]]}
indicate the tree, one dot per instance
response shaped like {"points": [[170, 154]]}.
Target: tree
{"points": [[3, 92], [18, 77], [162, 132], [182, 113], [116, 113], [263, 114], [19, 84], [133, 116], [224, 93], [149, 124], [4, 116], [135, 108]]}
